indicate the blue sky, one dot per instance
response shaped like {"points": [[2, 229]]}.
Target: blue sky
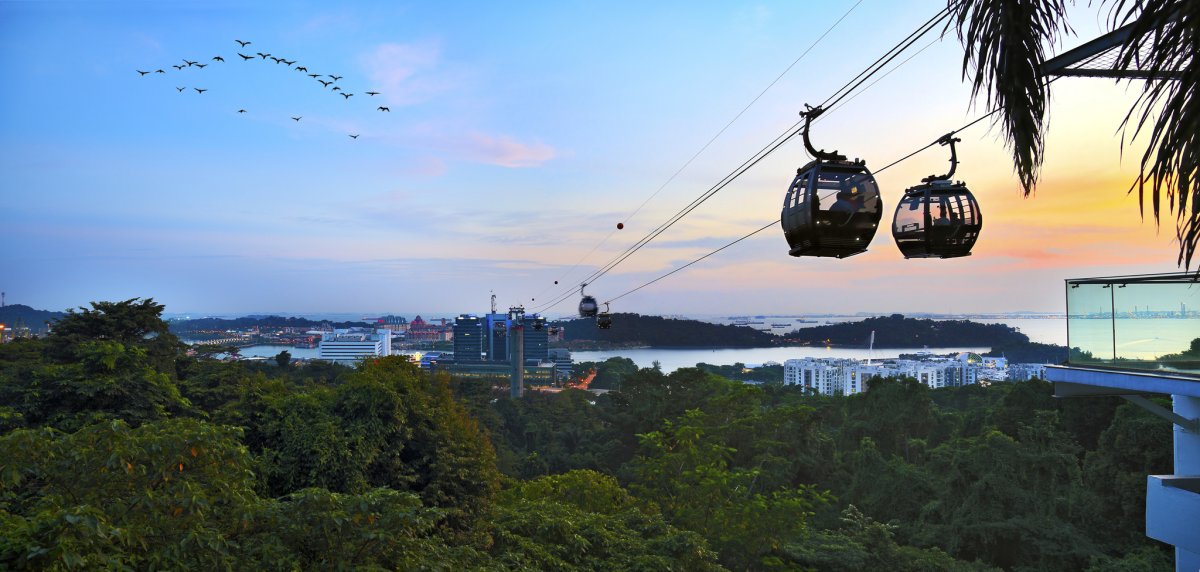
{"points": [[518, 136]]}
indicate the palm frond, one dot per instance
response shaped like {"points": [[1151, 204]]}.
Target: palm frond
{"points": [[1165, 40], [1005, 44]]}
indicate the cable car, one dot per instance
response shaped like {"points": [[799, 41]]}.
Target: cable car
{"points": [[604, 319], [939, 218], [587, 305], [833, 206]]}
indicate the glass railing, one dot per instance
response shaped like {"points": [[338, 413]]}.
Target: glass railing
{"points": [[1135, 322]]}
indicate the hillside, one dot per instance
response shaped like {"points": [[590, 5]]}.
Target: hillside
{"points": [[15, 315], [653, 331], [896, 331], [245, 323]]}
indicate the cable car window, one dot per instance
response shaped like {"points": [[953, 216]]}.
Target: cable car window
{"points": [[910, 215], [846, 191], [796, 194]]}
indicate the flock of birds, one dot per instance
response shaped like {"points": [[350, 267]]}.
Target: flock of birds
{"points": [[330, 84]]}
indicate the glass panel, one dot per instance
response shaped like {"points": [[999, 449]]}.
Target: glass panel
{"points": [[1136, 323], [1089, 323], [796, 194], [1158, 326], [846, 191], [910, 216]]}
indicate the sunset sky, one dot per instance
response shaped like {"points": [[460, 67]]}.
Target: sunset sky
{"points": [[518, 135]]}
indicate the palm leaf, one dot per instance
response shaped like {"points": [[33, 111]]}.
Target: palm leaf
{"points": [[1165, 39], [1004, 43]]}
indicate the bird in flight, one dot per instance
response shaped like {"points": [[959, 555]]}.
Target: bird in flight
{"points": [[201, 66], [245, 57], [243, 44], [159, 71], [289, 63], [242, 110], [347, 95], [355, 136], [372, 93], [323, 82], [301, 68], [218, 59], [181, 88], [335, 77], [188, 62], [178, 67], [336, 88], [314, 75], [198, 90], [263, 56], [144, 73], [382, 108], [277, 60], [297, 118]]}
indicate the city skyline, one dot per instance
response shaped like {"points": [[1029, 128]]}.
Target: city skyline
{"points": [[517, 137]]}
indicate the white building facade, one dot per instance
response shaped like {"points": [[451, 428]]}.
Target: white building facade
{"points": [[356, 344]]}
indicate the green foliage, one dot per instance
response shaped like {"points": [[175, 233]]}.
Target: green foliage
{"points": [[739, 372], [1011, 501], [862, 543], [132, 323], [896, 331], [164, 495], [654, 331], [547, 433], [116, 452], [609, 373], [690, 477], [1136, 444]]}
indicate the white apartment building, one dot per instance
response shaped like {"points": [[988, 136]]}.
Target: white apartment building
{"points": [[352, 345], [932, 374], [830, 376]]}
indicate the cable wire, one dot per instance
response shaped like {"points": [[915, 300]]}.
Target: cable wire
{"points": [[770, 224], [833, 100], [710, 142]]}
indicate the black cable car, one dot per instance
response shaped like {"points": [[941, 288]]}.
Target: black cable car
{"points": [[604, 319], [833, 206], [587, 305], [939, 218]]}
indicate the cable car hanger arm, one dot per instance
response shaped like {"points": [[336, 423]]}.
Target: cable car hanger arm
{"points": [[809, 115], [947, 139]]}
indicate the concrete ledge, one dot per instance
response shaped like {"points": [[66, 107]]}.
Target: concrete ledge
{"points": [[1173, 511], [1072, 381]]}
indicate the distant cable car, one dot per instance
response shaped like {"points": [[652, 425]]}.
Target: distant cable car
{"points": [[604, 319], [833, 206], [587, 305], [938, 218]]}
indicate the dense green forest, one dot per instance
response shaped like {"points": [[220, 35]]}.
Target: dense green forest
{"points": [[119, 451], [246, 323], [897, 331], [658, 332]]}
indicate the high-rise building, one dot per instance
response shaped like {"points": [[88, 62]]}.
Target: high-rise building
{"points": [[468, 339], [494, 330], [537, 340]]}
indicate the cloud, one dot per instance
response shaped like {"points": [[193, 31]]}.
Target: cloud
{"points": [[506, 151], [403, 72]]}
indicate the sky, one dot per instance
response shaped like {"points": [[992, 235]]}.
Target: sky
{"points": [[518, 135]]}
